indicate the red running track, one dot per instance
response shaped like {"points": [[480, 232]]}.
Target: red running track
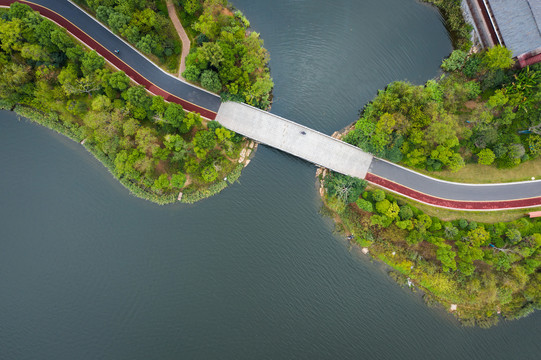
{"points": [[452, 204], [111, 58]]}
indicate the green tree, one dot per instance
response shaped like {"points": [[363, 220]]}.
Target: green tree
{"points": [[382, 206], [498, 57], [405, 212], [455, 61], [446, 256], [423, 222], [191, 6], [212, 53], [364, 205], [34, 52], [450, 232], [204, 140], [513, 236], [223, 134], [499, 99], [486, 157], [147, 44], [91, 62], [346, 188], [378, 195], [178, 180], [211, 81], [191, 119], [10, 35], [174, 115], [209, 174], [161, 183], [119, 80], [191, 73], [478, 236]]}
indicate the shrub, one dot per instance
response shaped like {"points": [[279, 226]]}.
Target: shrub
{"points": [[455, 61], [472, 66], [405, 212], [473, 88], [498, 57], [365, 205], [378, 195], [191, 73], [486, 157], [211, 81], [382, 206]]}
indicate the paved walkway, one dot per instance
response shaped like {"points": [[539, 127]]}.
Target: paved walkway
{"points": [[186, 44], [294, 139]]}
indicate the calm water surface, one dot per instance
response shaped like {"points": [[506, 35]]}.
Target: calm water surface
{"points": [[89, 272]]}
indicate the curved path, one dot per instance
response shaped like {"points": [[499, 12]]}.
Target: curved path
{"points": [[134, 64], [453, 195], [292, 138], [186, 44]]}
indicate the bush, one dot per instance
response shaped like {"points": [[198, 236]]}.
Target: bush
{"points": [[346, 188], [365, 205], [454, 62], [486, 157], [211, 81], [192, 73], [382, 206], [473, 88], [378, 195], [405, 212], [472, 67]]}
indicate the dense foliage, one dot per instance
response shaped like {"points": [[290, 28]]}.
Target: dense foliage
{"points": [[479, 111], [459, 29], [343, 190], [143, 23], [154, 147], [486, 269], [227, 58]]}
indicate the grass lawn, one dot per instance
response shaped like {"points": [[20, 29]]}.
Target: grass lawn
{"points": [[483, 174]]}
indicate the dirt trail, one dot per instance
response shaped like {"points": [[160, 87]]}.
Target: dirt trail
{"points": [[183, 36]]}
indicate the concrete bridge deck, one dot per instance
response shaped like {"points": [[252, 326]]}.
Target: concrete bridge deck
{"points": [[293, 138]]}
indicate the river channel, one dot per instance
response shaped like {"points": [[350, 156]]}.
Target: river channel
{"points": [[88, 271]]}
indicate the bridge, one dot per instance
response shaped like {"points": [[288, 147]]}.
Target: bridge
{"points": [[295, 139], [281, 133]]}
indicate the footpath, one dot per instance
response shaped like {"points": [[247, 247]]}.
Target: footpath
{"points": [[186, 44]]}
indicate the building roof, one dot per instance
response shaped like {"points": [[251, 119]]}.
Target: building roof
{"points": [[519, 22]]}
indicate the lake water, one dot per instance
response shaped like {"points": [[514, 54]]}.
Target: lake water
{"points": [[89, 272]]}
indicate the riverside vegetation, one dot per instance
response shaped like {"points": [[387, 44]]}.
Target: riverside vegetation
{"points": [[227, 57], [476, 112], [487, 270], [480, 111], [154, 148]]}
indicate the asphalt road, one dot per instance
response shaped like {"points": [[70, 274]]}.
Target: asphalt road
{"points": [[454, 191], [135, 60]]}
